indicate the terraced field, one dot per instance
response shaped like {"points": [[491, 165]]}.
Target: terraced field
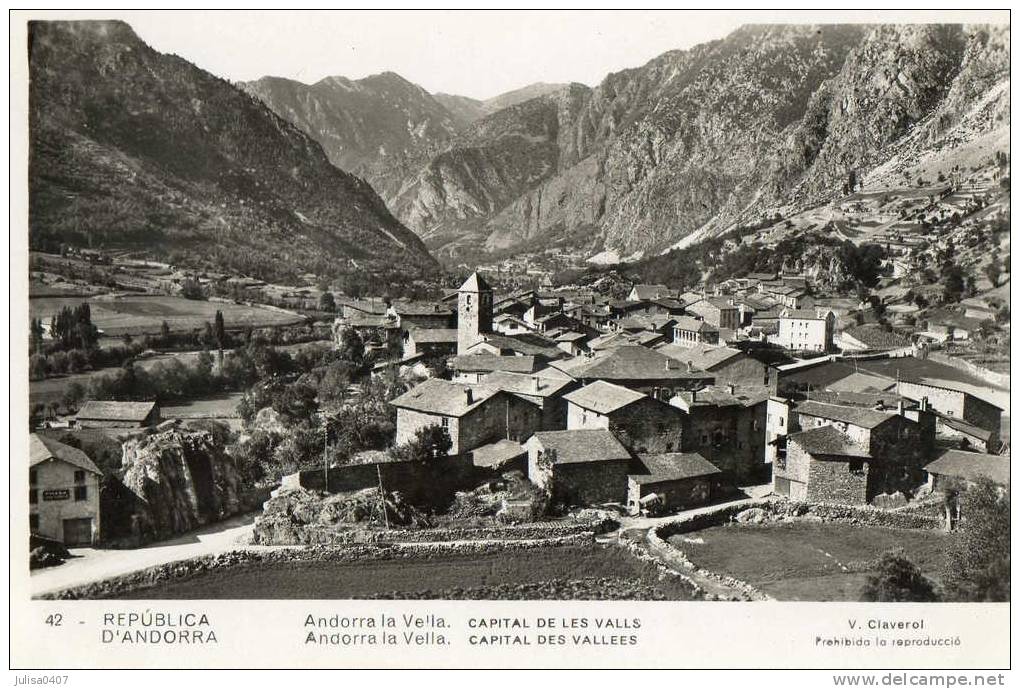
{"points": [[117, 315]]}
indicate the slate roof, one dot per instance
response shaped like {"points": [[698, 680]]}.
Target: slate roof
{"points": [[631, 362], [434, 335], [673, 466], [528, 344], [691, 323], [702, 356], [444, 397], [875, 338], [41, 449], [858, 416], [970, 429], [579, 446], [648, 292], [115, 411], [827, 441], [478, 363], [971, 466], [603, 398], [524, 384], [495, 455], [803, 314]]}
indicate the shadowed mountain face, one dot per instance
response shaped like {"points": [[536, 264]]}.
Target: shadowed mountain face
{"points": [[133, 149], [771, 117]]}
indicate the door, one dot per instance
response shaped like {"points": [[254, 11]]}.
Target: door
{"points": [[78, 531]]}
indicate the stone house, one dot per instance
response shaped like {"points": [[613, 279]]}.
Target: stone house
{"points": [[645, 424], [546, 393], [726, 425], [721, 312], [63, 492], [109, 414], [579, 467], [956, 404], [472, 367], [679, 481], [473, 415], [879, 451], [430, 342], [963, 469]]}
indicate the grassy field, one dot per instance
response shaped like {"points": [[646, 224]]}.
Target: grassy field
{"points": [[592, 572], [140, 314], [807, 561]]}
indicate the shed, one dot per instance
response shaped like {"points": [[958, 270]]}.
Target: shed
{"points": [[682, 480], [110, 414]]}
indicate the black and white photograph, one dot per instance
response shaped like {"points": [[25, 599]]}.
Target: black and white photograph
{"points": [[617, 306]]}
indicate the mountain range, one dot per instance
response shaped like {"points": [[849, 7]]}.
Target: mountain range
{"points": [[769, 119], [134, 149], [131, 149]]}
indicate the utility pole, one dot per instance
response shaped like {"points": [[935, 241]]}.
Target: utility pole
{"points": [[325, 450], [382, 496]]}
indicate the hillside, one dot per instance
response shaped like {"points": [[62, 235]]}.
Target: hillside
{"points": [[381, 128], [135, 150], [771, 119]]}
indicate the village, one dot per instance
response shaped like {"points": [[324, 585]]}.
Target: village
{"points": [[541, 404]]}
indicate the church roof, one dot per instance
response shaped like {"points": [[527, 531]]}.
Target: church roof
{"points": [[475, 283]]}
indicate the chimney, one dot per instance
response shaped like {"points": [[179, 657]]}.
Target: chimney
{"points": [[535, 385], [690, 366], [900, 409], [672, 364], [694, 397], [924, 404], [730, 388], [468, 397]]}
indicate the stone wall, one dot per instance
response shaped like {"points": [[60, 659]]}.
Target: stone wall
{"points": [[836, 481], [590, 483], [414, 480]]}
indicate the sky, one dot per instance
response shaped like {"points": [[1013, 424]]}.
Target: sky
{"points": [[476, 54]]}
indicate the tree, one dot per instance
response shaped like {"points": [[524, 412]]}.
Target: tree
{"points": [[38, 367], [993, 271], [219, 330], [327, 302], [952, 283], [191, 289], [335, 381], [352, 347], [977, 564], [73, 396], [898, 580], [428, 443], [35, 330]]}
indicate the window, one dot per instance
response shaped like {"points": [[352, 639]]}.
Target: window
{"points": [[79, 477], [856, 466], [81, 493], [661, 429], [33, 496], [33, 522], [444, 422], [33, 477], [782, 421]]}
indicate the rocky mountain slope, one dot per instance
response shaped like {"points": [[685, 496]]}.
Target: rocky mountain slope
{"points": [[133, 149], [768, 119], [381, 128]]}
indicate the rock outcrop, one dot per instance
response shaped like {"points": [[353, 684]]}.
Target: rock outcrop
{"points": [[181, 479]]}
